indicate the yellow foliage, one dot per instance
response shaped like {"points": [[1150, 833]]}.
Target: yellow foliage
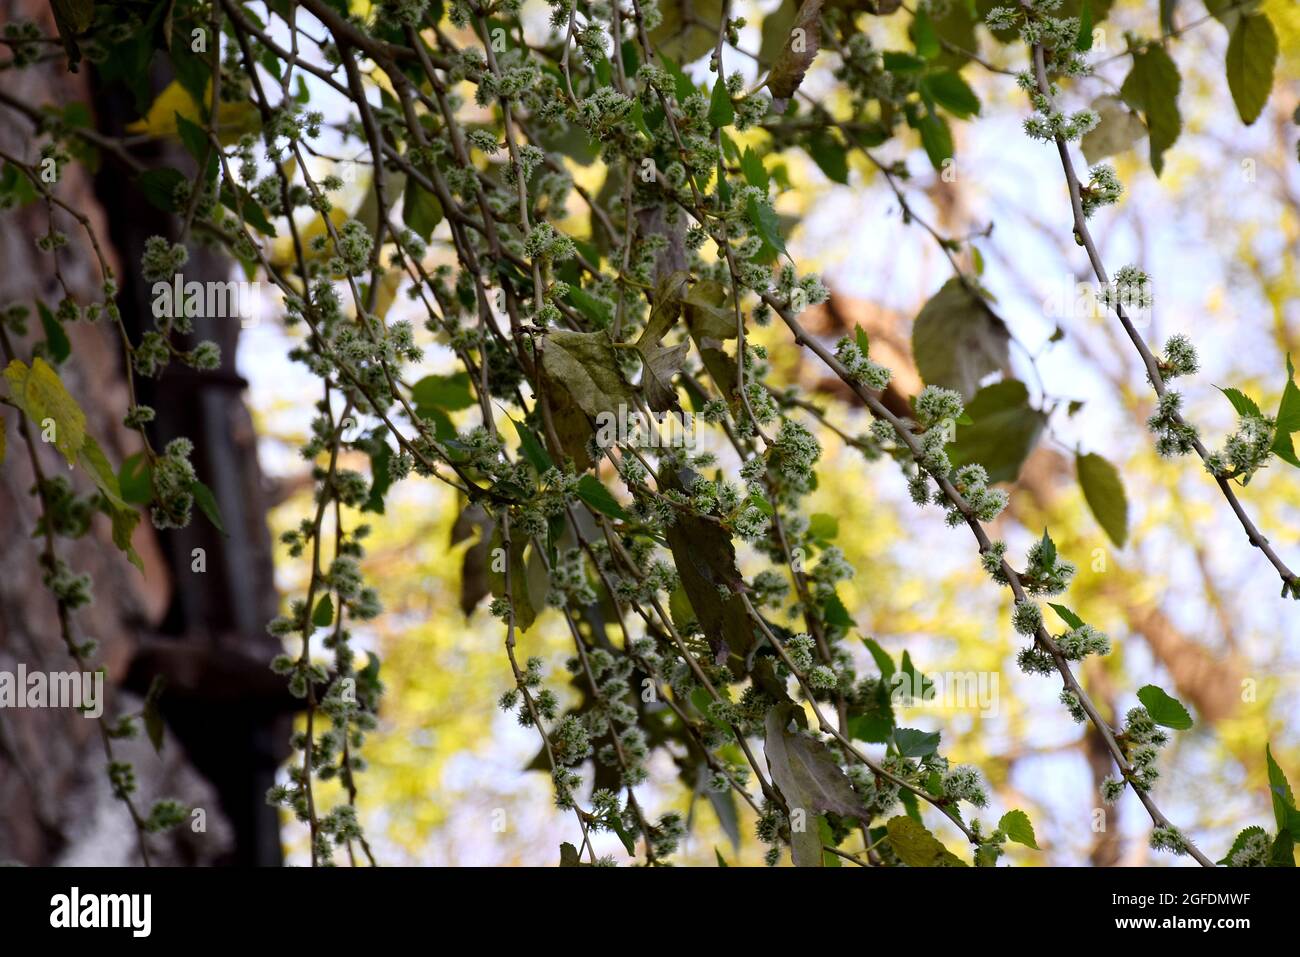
{"points": [[233, 119]]}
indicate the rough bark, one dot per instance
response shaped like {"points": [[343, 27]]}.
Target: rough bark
{"points": [[226, 724]]}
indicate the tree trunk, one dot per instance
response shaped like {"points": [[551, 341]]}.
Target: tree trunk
{"points": [[226, 715]]}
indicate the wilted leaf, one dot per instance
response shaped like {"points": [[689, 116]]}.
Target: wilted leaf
{"points": [[586, 364], [474, 565], [706, 561], [807, 776], [797, 55], [658, 363], [957, 339], [1117, 130]]}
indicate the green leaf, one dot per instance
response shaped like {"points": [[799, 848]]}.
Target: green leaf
{"points": [[923, 35], [958, 339], [195, 140], [447, 392], [1083, 43], [1152, 86], [830, 156], [1282, 853], [912, 743], [936, 138], [1288, 412], [917, 847], [159, 187], [953, 93], [1003, 432], [1067, 616], [1017, 827], [323, 615], [721, 112], [532, 448], [823, 527], [809, 779], [1252, 54], [1103, 490], [1164, 709], [134, 480], [381, 478], [241, 202], [15, 184], [152, 716], [72, 17], [1240, 842], [834, 613], [881, 658], [897, 61], [520, 595], [718, 853], [1048, 550], [207, 503], [688, 30], [56, 338], [1279, 790], [421, 210], [591, 491], [752, 168], [1243, 403], [764, 220]]}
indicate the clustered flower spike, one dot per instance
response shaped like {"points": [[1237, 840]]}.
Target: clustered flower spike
{"points": [[1103, 189], [1246, 450], [1144, 739], [963, 783]]}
